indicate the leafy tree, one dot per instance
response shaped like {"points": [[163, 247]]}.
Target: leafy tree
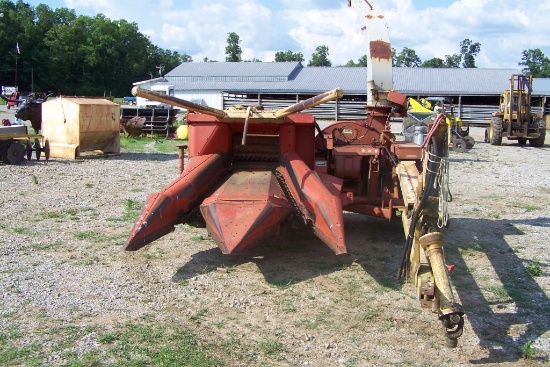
{"points": [[436, 62], [536, 63], [363, 61], [75, 55], [408, 58], [320, 57], [453, 61], [233, 50], [253, 60], [186, 58], [469, 51], [282, 56]]}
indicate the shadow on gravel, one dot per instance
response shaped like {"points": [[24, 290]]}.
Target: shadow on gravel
{"points": [[522, 310], [298, 255], [377, 246]]}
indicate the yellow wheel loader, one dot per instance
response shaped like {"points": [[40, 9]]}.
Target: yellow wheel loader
{"points": [[514, 119]]}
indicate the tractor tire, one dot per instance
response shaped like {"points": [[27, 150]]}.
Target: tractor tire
{"points": [[522, 141], [495, 131], [459, 145], [539, 142], [470, 142]]}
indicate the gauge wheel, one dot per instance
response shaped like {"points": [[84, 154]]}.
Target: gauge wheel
{"points": [[470, 142], [28, 149], [16, 153], [46, 150], [459, 145], [38, 148]]}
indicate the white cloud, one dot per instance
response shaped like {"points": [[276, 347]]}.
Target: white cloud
{"points": [[504, 28]]}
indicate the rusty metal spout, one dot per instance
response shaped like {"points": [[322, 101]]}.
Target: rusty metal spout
{"points": [[331, 95]]}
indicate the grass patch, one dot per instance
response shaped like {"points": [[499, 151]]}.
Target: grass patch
{"points": [[199, 315], [23, 230], [150, 145], [199, 237], [283, 283], [526, 207], [499, 292], [272, 347], [48, 246], [66, 214], [534, 269], [92, 236], [132, 209], [528, 351], [131, 344]]}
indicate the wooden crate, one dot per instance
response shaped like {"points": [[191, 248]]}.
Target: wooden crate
{"points": [[74, 125]]}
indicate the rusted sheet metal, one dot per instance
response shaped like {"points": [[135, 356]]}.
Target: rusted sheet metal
{"points": [[380, 50]]}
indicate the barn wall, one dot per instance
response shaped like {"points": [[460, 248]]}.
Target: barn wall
{"points": [[208, 98]]}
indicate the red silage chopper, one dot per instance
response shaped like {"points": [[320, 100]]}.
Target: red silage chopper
{"points": [[250, 169]]}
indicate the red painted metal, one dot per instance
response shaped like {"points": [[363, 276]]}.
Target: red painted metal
{"points": [[318, 202], [164, 209], [248, 207], [348, 166]]}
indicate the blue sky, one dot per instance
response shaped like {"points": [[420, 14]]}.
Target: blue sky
{"points": [[504, 28]]}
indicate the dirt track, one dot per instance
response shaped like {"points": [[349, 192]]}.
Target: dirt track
{"points": [[62, 264]]}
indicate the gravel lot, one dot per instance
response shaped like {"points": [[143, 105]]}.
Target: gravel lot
{"points": [[62, 265]]}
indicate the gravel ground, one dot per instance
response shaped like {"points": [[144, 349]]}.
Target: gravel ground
{"points": [[61, 264]]}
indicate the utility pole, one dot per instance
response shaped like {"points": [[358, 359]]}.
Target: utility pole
{"points": [[16, 55]]}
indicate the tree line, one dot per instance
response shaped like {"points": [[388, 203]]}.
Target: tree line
{"points": [[42, 49], [55, 50]]}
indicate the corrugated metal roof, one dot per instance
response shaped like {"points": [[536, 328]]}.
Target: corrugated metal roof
{"points": [[541, 86], [233, 70], [293, 78], [452, 81]]}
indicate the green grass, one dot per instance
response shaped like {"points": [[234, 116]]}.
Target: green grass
{"points": [[73, 214], [150, 145], [534, 269], [526, 207], [499, 292], [132, 344], [132, 209], [92, 236], [528, 351], [23, 230], [272, 347]]}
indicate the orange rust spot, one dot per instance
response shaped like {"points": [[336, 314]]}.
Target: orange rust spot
{"points": [[380, 50], [369, 16]]}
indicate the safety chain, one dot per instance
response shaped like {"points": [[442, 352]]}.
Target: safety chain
{"points": [[442, 181]]}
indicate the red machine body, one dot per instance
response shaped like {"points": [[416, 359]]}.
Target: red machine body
{"points": [[250, 171]]}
